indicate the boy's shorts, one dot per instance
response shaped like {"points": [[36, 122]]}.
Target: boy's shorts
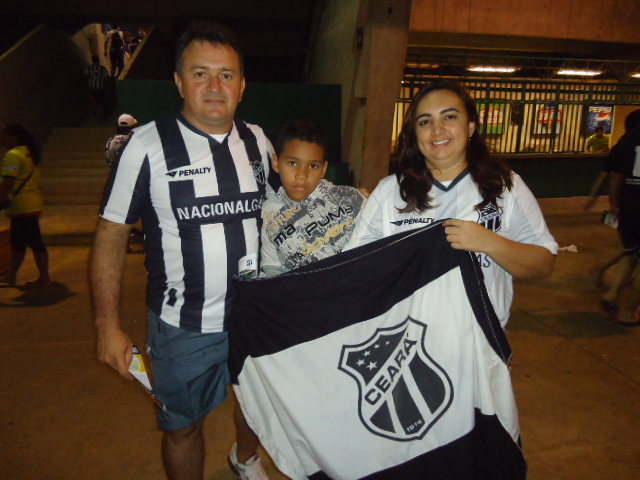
{"points": [[190, 372]]}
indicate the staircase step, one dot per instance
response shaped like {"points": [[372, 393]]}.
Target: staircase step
{"points": [[53, 172], [85, 163], [73, 184], [74, 200], [74, 170], [73, 155], [56, 143]]}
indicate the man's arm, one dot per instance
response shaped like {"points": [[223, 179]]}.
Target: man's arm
{"points": [[108, 260]]}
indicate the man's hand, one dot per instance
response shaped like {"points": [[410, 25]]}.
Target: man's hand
{"points": [[115, 349]]}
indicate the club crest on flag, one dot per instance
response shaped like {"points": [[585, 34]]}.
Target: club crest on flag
{"points": [[490, 217], [403, 391]]}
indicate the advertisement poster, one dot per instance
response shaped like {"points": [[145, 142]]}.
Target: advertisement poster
{"points": [[599, 116], [546, 117], [494, 116]]}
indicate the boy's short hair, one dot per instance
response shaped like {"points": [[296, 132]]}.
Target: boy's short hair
{"points": [[207, 31], [599, 128], [301, 129]]}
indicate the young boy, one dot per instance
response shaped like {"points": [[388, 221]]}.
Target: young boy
{"points": [[309, 218]]}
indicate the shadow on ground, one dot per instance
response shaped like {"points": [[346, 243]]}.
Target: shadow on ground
{"points": [[569, 324], [38, 296]]}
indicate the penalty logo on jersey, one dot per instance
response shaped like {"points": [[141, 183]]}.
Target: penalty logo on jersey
{"points": [[490, 217], [403, 391]]}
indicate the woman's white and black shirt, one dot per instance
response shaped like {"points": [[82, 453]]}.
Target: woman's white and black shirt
{"points": [[517, 217]]}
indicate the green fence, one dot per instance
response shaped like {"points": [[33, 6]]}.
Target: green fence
{"points": [[269, 105]]}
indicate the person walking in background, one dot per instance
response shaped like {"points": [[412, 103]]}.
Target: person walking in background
{"points": [[598, 271], [623, 166], [197, 179], [115, 49], [96, 74], [21, 198]]}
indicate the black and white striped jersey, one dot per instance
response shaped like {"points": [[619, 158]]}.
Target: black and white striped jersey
{"points": [[200, 203], [96, 73]]}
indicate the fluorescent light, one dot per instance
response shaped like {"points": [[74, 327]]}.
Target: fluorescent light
{"points": [[582, 73], [635, 75], [422, 65], [486, 69]]}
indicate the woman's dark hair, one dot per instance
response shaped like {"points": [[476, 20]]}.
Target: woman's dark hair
{"points": [[490, 174], [207, 31], [301, 129], [24, 137]]}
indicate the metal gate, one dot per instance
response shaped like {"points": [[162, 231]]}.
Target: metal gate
{"points": [[526, 115]]}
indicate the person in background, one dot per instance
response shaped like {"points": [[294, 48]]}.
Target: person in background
{"points": [[598, 271], [126, 123], [309, 218], [197, 178], [115, 49], [22, 200], [445, 171], [96, 74], [623, 166], [598, 142]]}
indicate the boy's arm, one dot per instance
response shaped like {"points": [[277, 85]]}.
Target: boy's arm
{"points": [[270, 263]]}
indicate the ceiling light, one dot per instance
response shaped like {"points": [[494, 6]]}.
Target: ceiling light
{"points": [[582, 73], [422, 65], [635, 75], [486, 69]]}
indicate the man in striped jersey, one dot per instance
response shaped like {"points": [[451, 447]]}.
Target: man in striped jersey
{"points": [[96, 75], [197, 179]]}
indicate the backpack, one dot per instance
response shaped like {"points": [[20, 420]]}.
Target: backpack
{"points": [[116, 41]]}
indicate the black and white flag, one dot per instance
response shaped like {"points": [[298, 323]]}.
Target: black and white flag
{"points": [[383, 362]]}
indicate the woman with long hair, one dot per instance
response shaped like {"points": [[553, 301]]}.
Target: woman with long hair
{"points": [[445, 172], [21, 198]]}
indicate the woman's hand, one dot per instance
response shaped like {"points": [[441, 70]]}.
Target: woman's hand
{"points": [[522, 260], [470, 236]]}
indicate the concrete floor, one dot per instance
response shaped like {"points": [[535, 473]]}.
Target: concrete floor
{"points": [[65, 416]]}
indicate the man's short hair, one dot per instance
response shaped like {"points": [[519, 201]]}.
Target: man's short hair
{"points": [[207, 31], [301, 129], [599, 128]]}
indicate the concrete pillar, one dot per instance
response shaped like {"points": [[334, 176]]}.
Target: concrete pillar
{"points": [[361, 46], [389, 26]]}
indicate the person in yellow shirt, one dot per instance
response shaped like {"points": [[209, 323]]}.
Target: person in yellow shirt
{"points": [[598, 142], [21, 198]]}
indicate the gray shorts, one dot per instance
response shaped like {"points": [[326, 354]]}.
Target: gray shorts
{"points": [[190, 372]]}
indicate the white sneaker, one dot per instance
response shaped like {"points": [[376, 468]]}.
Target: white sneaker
{"points": [[252, 470]]}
